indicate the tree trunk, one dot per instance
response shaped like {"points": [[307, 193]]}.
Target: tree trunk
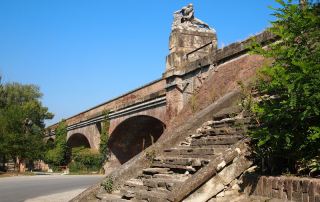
{"points": [[22, 166]]}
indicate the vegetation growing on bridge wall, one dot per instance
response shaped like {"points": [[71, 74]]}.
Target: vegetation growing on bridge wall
{"points": [[57, 156], [78, 159], [86, 160], [21, 122], [288, 138], [104, 140]]}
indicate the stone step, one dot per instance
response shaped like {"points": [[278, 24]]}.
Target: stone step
{"points": [[229, 113], [217, 147], [216, 140], [157, 195], [220, 131], [196, 162], [189, 151], [109, 197], [128, 193], [134, 183], [169, 176], [175, 176], [174, 167], [152, 171], [118, 200], [162, 183], [236, 121]]}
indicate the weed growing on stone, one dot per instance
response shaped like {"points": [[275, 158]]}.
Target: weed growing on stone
{"points": [[151, 155], [107, 184]]}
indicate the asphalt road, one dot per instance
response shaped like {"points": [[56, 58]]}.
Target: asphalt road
{"points": [[52, 188]]}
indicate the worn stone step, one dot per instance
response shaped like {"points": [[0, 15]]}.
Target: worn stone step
{"points": [[174, 167], [217, 140], [172, 176], [189, 151], [108, 197], [152, 171], [228, 121], [128, 193], [134, 184], [195, 162], [227, 114], [119, 200], [163, 183], [157, 195], [220, 131], [218, 149], [220, 137], [116, 200]]}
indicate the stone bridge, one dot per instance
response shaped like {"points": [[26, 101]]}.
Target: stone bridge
{"points": [[139, 117]]}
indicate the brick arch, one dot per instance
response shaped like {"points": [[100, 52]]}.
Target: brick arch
{"points": [[78, 140], [133, 135], [90, 132], [158, 113]]}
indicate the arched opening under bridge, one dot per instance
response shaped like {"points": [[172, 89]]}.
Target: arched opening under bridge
{"points": [[134, 135]]}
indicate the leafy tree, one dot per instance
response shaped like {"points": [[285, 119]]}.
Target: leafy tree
{"points": [[22, 121], [289, 136]]}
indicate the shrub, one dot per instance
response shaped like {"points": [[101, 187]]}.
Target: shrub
{"points": [[57, 155], [85, 159], [290, 131], [108, 184], [104, 140], [75, 167]]}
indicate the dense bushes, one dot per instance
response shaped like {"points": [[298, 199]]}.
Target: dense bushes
{"points": [[85, 160], [288, 138]]}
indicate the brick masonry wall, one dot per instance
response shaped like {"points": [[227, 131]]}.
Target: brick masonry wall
{"points": [[283, 187], [131, 97]]}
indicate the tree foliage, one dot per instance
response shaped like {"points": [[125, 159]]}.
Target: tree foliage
{"points": [[22, 121], [290, 130]]}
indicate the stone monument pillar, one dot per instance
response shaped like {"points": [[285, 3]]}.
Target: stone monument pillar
{"points": [[190, 39], [187, 35]]}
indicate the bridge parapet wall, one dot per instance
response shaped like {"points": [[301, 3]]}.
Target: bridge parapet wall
{"points": [[147, 92]]}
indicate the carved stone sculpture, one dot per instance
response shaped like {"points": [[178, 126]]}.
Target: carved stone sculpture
{"points": [[185, 18], [187, 35]]}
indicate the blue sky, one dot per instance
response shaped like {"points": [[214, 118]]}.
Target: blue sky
{"points": [[84, 52]]}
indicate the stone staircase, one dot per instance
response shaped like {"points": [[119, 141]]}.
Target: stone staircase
{"points": [[177, 172]]}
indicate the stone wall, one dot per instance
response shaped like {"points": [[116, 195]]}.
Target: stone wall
{"points": [[283, 187]]}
